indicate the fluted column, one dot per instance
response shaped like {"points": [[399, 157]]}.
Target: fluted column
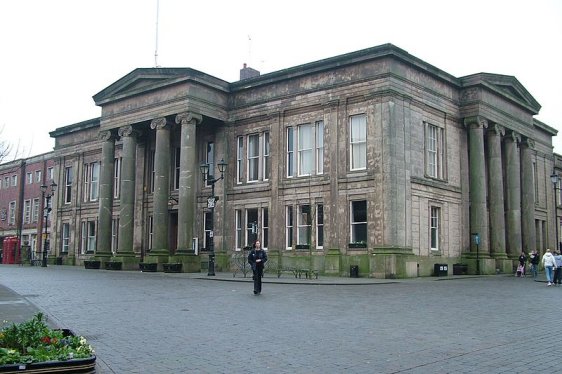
{"points": [[528, 196], [126, 215], [160, 243], [497, 217], [513, 194], [478, 188], [103, 248], [188, 174]]}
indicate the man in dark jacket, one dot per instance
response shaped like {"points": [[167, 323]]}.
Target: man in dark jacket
{"points": [[257, 259]]}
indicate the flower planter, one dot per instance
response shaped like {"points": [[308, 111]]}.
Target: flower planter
{"points": [[113, 265], [146, 267], [172, 268], [357, 245], [82, 365], [92, 264]]}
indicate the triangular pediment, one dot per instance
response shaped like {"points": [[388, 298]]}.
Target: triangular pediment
{"points": [[504, 85], [141, 80]]}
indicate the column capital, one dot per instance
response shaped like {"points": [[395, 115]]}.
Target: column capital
{"points": [[128, 130], [159, 123], [528, 142], [497, 129], [513, 136], [189, 118], [476, 122], [105, 135]]}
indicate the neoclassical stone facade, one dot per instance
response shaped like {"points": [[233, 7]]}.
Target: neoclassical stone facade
{"points": [[374, 158]]}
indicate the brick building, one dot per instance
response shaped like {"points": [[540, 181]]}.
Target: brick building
{"points": [[373, 158]]}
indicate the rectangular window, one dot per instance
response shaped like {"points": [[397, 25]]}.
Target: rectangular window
{"points": [[114, 234], [91, 236], [35, 210], [65, 237], [94, 180], [12, 213], [6, 182], [117, 177], [238, 218], [253, 157], [305, 154], [83, 238], [266, 158], [37, 176], [320, 226], [239, 159], [290, 152], [210, 159], [150, 231], [303, 224], [434, 145], [14, 180], [358, 221], [208, 227], [50, 174], [68, 184], [29, 178], [535, 182], [27, 211], [264, 228], [251, 226], [358, 141], [289, 227], [434, 227], [320, 147], [177, 162], [86, 180]]}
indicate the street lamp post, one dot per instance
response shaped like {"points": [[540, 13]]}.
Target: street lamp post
{"points": [[554, 178], [211, 205], [46, 196]]}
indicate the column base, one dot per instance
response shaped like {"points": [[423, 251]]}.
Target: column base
{"points": [[191, 263], [158, 257], [128, 260], [103, 257]]}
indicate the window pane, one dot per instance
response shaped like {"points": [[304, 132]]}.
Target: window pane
{"points": [[253, 157]]}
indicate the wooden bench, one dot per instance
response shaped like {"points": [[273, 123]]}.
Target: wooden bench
{"points": [[293, 271], [308, 273]]}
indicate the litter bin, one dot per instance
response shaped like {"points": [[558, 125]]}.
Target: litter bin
{"points": [[354, 271], [440, 270]]}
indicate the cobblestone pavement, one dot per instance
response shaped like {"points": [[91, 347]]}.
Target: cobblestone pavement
{"points": [[188, 323]]}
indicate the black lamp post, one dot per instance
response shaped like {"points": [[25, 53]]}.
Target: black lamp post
{"points": [[554, 178], [211, 205], [46, 196]]}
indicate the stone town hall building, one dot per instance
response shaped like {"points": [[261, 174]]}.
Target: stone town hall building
{"points": [[373, 158]]}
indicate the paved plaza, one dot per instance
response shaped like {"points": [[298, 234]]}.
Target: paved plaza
{"points": [[191, 323]]}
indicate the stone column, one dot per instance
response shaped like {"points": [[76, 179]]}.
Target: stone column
{"points": [[478, 188], [188, 174], [527, 195], [126, 215], [160, 243], [103, 248], [513, 194], [497, 217]]}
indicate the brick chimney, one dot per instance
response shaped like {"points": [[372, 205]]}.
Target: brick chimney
{"points": [[247, 72]]}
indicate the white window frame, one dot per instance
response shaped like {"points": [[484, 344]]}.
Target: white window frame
{"points": [[83, 238], [434, 227], [238, 225], [150, 231], [94, 180], [304, 226], [435, 151], [27, 211], [354, 224], [12, 213], [319, 218], [114, 234], [358, 142], [38, 176], [14, 180], [117, 177], [264, 228], [239, 159], [65, 234], [35, 210], [305, 150], [29, 178], [266, 157], [152, 170], [50, 173], [253, 160], [289, 226], [290, 152], [319, 127], [68, 176], [92, 236], [248, 224]]}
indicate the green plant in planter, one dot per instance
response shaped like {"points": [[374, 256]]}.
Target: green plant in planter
{"points": [[33, 341]]}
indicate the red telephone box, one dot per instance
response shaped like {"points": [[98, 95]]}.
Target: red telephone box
{"points": [[11, 252]]}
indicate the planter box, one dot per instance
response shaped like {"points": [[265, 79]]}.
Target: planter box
{"points": [[172, 268], [92, 264], [357, 245], [302, 246], [146, 267], [113, 265]]}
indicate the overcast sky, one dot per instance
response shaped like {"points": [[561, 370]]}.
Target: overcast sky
{"points": [[55, 55]]}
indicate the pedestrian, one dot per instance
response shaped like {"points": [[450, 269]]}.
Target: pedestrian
{"points": [[521, 271], [534, 258], [558, 271], [257, 259], [549, 264]]}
